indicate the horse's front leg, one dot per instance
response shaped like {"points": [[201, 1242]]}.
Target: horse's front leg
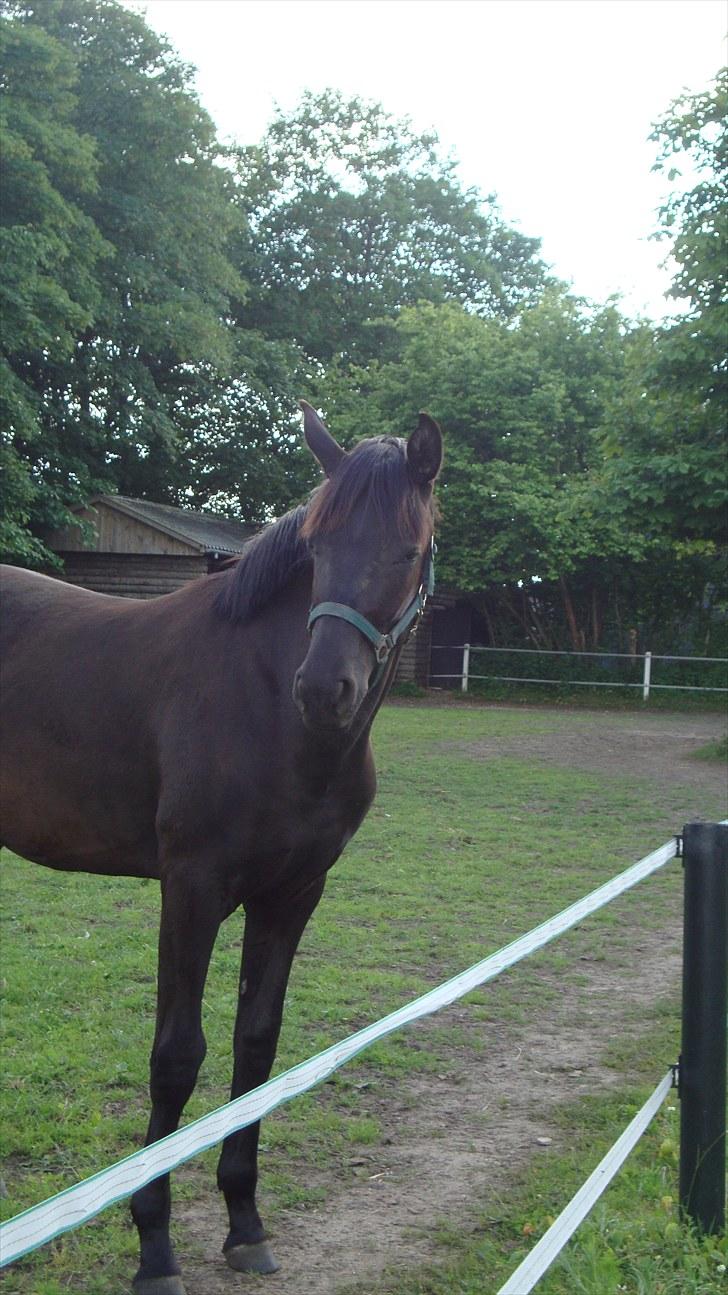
{"points": [[272, 933], [191, 915]]}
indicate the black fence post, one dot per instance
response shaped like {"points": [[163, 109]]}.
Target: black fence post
{"points": [[704, 1006]]}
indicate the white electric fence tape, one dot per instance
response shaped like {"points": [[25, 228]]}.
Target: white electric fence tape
{"points": [[552, 1242], [81, 1202]]}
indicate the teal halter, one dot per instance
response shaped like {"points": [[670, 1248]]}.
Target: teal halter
{"points": [[384, 644]]}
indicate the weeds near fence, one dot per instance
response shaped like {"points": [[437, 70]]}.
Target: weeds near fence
{"points": [[563, 696], [643, 676], [717, 750]]}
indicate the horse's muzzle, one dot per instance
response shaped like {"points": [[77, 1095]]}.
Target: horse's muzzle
{"points": [[327, 707]]}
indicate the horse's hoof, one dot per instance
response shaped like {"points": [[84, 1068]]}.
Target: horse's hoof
{"points": [[257, 1258], [158, 1286]]}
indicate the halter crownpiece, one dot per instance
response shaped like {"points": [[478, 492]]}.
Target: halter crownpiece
{"points": [[384, 644]]}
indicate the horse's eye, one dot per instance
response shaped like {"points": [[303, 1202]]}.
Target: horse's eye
{"points": [[411, 555]]}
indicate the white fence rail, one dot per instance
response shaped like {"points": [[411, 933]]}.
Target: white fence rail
{"points": [[465, 674]]}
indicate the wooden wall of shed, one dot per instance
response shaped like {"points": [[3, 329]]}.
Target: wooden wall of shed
{"points": [[414, 663], [116, 532], [131, 575]]}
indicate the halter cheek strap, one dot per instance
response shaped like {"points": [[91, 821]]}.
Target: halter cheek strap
{"points": [[384, 644]]}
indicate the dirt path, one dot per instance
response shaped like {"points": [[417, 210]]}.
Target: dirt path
{"points": [[657, 748], [450, 1141]]}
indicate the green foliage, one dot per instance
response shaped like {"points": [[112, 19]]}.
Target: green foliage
{"points": [[165, 300], [523, 406], [241, 446], [51, 247], [694, 134], [585, 476], [51, 253], [354, 216], [667, 433], [163, 201], [121, 229]]}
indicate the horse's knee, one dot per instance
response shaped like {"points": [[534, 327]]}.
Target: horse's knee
{"points": [[150, 1205], [174, 1066], [256, 1040]]}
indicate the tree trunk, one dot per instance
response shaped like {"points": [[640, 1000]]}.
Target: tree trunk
{"points": [[576, 637]]}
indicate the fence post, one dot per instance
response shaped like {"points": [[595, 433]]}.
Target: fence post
{"points": [[646, 676], [466, 667], [705, 999]]}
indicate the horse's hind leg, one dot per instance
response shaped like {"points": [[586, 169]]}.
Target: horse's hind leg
{"points": [[272, 934], [189, 924]]}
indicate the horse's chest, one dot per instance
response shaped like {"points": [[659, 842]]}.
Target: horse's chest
{"points": [[267, 827], [306, 824], [291, 838]]}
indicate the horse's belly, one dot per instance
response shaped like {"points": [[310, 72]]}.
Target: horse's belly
{"points": [[60, 809], [56, 832]]}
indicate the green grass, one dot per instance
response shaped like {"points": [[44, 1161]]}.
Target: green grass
{"points": [[457, 857]]}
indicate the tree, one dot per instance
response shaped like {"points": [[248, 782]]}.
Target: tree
{"points": [[146, 186], [241, 451], [355, 216], [51, 253], [667, 438], [694, 132]]}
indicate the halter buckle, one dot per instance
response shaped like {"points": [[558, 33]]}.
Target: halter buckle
{"points": [[383, 649]]}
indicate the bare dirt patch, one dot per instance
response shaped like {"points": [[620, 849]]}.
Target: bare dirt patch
{"points": [[657, 748], [451, 1141]]}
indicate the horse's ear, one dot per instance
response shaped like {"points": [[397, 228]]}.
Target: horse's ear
{"points": [[320, 441], [424, 451]]}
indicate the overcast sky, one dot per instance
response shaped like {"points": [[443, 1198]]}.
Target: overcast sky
{"points": [[547, 103]]}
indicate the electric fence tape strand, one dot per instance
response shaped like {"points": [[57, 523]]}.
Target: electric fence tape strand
{"points": [[79, 1203], [523, 1280]]}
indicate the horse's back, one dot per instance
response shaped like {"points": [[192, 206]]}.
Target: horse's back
{"points": [[54, 637], [32, 603]]}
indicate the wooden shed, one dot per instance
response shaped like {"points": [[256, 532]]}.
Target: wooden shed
{"points": [[142, 549]]}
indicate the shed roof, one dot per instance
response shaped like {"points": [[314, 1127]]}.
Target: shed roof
{"points": [[207, 532]]}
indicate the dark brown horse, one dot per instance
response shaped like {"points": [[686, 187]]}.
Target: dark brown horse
{"points": [[218, 738]]}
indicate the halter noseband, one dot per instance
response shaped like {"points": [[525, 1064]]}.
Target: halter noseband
{"points": [[384, 644]]}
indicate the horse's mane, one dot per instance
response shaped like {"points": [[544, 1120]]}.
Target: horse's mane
{"points": [[267, 563], [374, 474]]}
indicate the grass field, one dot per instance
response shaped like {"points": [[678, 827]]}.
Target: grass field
{"points": [[460, 854]]}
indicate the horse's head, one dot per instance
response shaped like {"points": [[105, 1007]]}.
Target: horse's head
{"points": [[369, 528]]}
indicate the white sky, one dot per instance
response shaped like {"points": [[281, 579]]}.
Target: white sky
{"points": [[547, 103]]}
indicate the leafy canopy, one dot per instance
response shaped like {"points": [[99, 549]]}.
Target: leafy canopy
{"points": [[667, 434], [355, 216]]}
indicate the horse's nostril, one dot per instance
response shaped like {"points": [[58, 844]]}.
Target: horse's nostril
{"points": [[345, 694]]}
